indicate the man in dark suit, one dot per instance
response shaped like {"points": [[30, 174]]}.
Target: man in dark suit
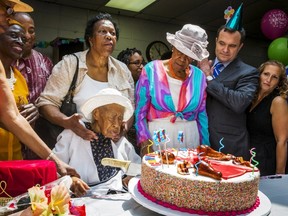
{"points": [[229, 92]]}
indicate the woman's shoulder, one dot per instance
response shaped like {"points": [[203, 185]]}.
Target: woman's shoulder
{"points": [[279, 104], [278, 100]]}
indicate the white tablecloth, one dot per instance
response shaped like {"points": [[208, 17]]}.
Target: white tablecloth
{"points": [[276, 189]]}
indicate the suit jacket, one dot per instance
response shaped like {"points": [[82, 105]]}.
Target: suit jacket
{"points": [[228, 97]]}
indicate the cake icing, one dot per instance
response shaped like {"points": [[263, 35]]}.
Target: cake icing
{"points": [[236, 190]]}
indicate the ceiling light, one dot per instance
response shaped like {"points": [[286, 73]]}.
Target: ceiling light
{"points": [[131, 5]]}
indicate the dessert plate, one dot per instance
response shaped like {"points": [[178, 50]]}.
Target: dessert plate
{"points": [[263, 209]]}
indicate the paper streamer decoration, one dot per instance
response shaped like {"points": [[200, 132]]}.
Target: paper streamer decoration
{"points": [[253, 153]]}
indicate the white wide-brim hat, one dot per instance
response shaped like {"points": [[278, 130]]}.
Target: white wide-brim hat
{"points": [[104, 97], [18, 6], [191, 40]]}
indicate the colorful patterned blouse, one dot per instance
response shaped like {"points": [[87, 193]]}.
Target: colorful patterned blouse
{"points": [[154, 100]]}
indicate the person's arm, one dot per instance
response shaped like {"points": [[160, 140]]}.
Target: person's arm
{"points": [[202, 122], [279, 111], [238, 98], [50, 100], [142, 107], [17, 124]]}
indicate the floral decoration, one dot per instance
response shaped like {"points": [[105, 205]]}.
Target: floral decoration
{"points": [[53, 202]]}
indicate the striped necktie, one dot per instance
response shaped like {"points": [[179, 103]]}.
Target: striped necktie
{"points": [[216, 70]]}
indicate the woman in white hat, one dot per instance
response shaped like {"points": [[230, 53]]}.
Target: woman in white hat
{"points": [[107, 111], [170, 94]]}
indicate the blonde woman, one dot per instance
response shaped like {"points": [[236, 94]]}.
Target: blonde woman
{"points": [[267, 119]]}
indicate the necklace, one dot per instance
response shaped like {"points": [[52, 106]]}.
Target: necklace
{"points": [[173, 74], [12, 80]]}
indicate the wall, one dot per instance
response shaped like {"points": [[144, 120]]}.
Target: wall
{"points": [[53, 21]]}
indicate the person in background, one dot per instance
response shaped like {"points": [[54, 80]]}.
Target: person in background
{"points": [[10, 118], [11, 47], [33, 65], [134, 60], [97, 70], [231, 85], [36, 68], [170, 94], [267, 119], [106, 111]]}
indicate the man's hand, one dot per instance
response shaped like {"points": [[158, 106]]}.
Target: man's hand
{"points": [[206, 66]]}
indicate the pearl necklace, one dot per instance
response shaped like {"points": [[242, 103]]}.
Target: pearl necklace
{"points": [[12, 80]]}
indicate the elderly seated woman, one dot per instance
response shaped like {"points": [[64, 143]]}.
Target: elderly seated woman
{"points": [[107, 111]]}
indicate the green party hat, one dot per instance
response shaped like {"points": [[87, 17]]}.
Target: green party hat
{"points": [[235, 23]]}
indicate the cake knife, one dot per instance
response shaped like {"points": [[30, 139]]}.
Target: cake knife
{"points": [[130, 168]]}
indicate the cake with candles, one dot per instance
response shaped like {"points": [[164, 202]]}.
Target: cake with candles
{"points": [[200, 181]]}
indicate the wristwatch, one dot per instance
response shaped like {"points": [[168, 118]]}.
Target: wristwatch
{"points": [[209, 78]]}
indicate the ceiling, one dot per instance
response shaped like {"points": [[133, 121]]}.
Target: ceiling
{"points": [[209, 14]]}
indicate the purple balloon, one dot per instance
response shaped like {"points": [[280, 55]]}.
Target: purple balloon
{"points": [[274, 23]]}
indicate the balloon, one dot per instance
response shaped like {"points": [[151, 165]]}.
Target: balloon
{"points": [[274, 24], [278, 50]]}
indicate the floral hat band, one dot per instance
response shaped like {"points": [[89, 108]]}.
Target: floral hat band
{"points": [[191, 40]]}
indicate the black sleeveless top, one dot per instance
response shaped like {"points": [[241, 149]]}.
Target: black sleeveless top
{"points": [[259, 125]]}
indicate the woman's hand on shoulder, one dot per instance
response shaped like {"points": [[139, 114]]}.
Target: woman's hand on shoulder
{"points": [[73, 123]]}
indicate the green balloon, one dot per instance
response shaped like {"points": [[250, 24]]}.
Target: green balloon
{"points": [[278, 50]]}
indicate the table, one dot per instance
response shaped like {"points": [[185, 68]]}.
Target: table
{"points": [[276, 189]]}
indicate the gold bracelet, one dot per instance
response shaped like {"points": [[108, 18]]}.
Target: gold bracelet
{"points": [[50, 155]]}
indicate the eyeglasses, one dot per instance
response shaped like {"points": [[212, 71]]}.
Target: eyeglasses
{"points": [[137, 63], [9, 10]]}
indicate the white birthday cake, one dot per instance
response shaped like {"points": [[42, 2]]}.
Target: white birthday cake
{"points": [[200, 181]]}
